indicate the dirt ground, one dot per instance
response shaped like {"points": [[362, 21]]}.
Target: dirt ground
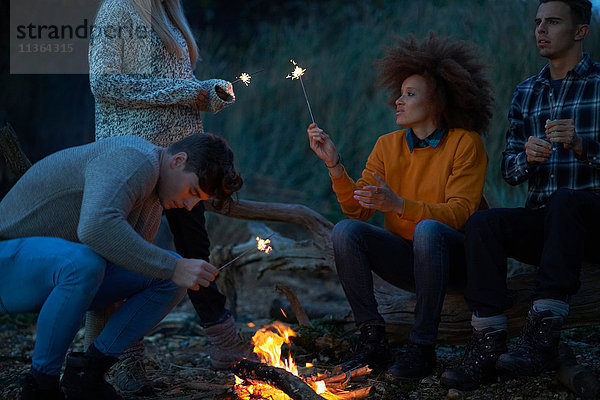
{"points": [[178, 363]]}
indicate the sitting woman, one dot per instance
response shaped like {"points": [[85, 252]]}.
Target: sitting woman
{"points": [[428, 179]]}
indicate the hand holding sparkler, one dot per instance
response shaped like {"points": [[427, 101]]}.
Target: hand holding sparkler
{"points": [[297, 74], [261, 245], [191, 273], [323, 146]]}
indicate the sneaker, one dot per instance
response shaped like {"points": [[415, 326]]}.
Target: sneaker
{"points": [[478, 364], [537, 348], [84, 378], [228, 347], [129, 376], [30, 390], [416, 362], [372, 349]]}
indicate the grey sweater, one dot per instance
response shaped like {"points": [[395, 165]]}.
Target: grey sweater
{"points": [[101, 194], [141, 88]]}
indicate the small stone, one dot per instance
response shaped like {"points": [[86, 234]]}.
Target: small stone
{"points": [[454, 394]]}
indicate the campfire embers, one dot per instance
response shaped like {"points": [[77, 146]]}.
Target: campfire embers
{"points": [[279, 379]]}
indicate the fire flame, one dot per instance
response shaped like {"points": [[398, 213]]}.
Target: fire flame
{"points": [[245, 78], [297, 72], [267, 345], [262, 245]]}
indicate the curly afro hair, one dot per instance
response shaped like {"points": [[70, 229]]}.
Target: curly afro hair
{"points": [[460, 92]]}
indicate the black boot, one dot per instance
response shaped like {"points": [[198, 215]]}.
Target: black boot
{"points": [[416, 362], [84, 378], [478, 364], [537, 348], [372, 349], [30, 390]]}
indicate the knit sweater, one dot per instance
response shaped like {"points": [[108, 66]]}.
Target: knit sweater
{"points": [[443, 183], [139, 86], [102, 195]]}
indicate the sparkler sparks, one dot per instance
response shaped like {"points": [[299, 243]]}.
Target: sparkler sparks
{"points": [[261, 245], [297, 74], [245, 77]]}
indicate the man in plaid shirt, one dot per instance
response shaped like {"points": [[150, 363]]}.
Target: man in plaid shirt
{"points": [[553, 143]]}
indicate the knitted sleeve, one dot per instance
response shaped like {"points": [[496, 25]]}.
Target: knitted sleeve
{"points": [[116, 183], [110, 44]]}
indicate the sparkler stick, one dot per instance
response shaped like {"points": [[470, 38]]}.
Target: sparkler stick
{"points": [[297, 74], [265, 249], [245, 77]]}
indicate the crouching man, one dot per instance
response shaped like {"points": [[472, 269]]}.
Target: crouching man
{"points": [[76, 234]]}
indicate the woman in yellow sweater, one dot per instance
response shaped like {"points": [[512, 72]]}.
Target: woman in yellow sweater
{"points": [[428, 179]]}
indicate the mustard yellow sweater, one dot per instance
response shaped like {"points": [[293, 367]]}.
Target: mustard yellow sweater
{"points": [[443, 183]]}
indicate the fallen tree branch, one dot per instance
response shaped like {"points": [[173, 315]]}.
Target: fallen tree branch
{"points": [[298, 214], [296, 306]]}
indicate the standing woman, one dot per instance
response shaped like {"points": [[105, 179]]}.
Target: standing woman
{"points": [[141, 57], [427, 178]]}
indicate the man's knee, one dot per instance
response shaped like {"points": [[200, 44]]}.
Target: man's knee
{"points": [[84, 267], [168, 286], [479, 221]]}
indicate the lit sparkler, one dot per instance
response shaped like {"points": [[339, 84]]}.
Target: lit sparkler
{"points": [[245, 77], [297, 74], [261, 245]]}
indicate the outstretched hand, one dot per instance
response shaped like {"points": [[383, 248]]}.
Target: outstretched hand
{"points": [[380, 197]]}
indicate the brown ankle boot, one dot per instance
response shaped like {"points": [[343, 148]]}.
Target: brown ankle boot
{"points": [[228, 346]]}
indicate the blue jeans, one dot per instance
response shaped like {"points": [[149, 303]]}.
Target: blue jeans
{"points": [[62, 280], [426, 266]]}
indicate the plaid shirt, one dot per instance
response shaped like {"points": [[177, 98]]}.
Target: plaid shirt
{"points": [[534, 101]]}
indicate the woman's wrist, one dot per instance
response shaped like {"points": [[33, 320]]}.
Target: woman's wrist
{"points": [[339, 159]]}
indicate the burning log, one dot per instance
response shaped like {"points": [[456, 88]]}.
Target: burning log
{"points": [[279, 378]]}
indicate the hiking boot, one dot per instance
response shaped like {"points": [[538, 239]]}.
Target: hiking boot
{"points": [[30, 390], [372, 349], [129, 376], [537, 348], [228, 346], [478, 364], [416, 362], [84, 378]]}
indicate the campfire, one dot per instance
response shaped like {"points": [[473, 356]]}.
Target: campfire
{"points": [[277, 378]]}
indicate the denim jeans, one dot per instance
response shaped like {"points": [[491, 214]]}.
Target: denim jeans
{"points": [[557, 238], [191, 241], [426, 266], [61, 280]]}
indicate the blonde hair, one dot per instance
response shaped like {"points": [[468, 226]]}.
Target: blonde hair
{"points": [[156, 12]]}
